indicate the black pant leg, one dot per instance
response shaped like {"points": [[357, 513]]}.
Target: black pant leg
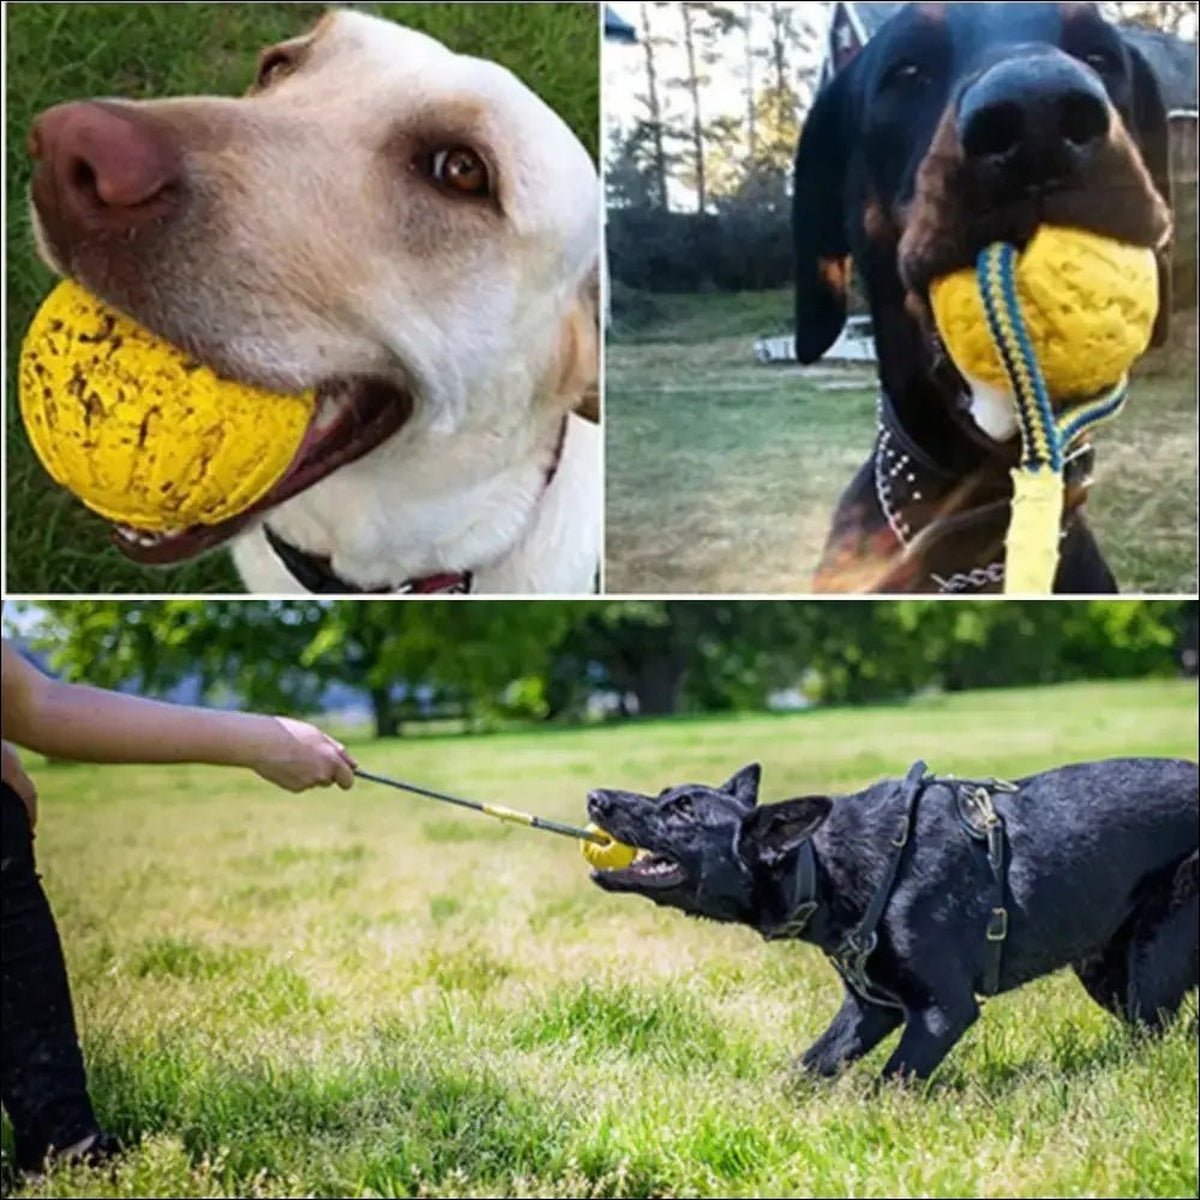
{"points": [[42, 1080]]}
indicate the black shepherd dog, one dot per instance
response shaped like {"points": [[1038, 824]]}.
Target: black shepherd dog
{"points": [[927, 892]]}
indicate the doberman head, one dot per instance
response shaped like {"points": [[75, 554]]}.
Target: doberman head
{"points": [[956, 126]]}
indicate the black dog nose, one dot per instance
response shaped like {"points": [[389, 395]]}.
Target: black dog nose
{"points": [[599, 801], [1035, 118]]}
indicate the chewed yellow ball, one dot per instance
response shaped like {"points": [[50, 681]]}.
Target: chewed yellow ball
{"points": [[610, 857], [1088, 302], [137, 430]]}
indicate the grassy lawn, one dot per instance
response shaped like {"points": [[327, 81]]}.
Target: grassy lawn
{"points": [[723, 475], [144, 51], [369, 994]]}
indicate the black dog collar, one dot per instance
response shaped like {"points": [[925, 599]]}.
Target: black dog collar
{"points": [[315, 573], [803, 901]]}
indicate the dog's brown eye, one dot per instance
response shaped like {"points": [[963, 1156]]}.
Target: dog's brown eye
{"points": [[273, 66], [461, 169], [905, 74]]}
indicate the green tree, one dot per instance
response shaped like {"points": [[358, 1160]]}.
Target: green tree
{"points": [[284, 655]]}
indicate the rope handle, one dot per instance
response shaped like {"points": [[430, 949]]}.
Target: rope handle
{"points": [[1032, 545]]}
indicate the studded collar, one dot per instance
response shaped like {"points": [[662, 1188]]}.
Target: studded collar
{"points": [[949, 530]]}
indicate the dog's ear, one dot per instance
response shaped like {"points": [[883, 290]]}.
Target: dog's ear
{"points": [[576, 371], [822, 251], [1152, 133], [772, 832], [743, 786]]}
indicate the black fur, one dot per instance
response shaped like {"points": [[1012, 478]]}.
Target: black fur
{"points": [[1102, 876]]}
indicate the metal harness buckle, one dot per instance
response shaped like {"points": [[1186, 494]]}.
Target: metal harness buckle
{"points": [[997, 929]]}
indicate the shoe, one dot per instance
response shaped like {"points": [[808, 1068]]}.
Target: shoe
{"points": [[95, 1150]]}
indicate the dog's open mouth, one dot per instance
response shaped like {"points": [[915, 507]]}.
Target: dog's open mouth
{"points": [[352, 417], [647, 872]]}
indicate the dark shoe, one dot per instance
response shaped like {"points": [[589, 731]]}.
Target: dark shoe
{"points": [[93, 1151]]}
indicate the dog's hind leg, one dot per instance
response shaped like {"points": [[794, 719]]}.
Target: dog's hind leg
{"points": [[1164, 951], [1145, 971], [929, 1035], [856, 1030]]}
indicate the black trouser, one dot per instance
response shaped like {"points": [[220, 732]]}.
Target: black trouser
{"points": [[42, 1082]]}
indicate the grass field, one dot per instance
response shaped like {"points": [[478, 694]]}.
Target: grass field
{"points": [[66, 52], [364, 994], [723, 475]]}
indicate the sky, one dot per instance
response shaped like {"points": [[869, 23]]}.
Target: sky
{"points": [[624, 66], [625, 69]]}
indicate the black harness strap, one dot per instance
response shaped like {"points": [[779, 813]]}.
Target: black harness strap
{"points": [[982, 822], [851, 955]]}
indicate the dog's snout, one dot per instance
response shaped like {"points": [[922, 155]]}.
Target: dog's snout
{"points": [[1034, 119], [101, 166], [599, 802]]}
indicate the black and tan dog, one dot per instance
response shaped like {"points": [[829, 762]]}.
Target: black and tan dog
{"points": [[957, 126], [928, 892]]}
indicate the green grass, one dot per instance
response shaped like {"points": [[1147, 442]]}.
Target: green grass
{"points": [[335, 994], [723, 475], [145, 51]]}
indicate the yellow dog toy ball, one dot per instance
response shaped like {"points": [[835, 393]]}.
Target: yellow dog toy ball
{"points": [[137, 430], [609, 857], [1088, 302]]}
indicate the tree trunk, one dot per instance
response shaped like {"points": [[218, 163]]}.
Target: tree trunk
{"points": [[386, 711], [652, 103], [778, 49], [693, 87], [751, 115], [657, 682]]}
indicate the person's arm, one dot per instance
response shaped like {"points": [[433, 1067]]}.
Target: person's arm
{"points": [[73, 721]]}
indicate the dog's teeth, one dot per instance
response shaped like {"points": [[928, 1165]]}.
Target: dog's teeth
{"points": [[138, 538]]}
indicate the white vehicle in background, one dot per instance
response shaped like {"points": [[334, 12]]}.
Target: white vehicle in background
{"points": [[856, 343]]}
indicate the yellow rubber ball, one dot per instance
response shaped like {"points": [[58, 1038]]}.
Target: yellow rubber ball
{"points": [[1088, 302], [611, 856], [140, 432]]}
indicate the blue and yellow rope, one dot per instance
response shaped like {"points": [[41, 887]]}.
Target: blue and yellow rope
{"points": [[1031, 558]]}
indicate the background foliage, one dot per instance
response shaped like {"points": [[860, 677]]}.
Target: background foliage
{"points": [[698, 193], [483, 662]]}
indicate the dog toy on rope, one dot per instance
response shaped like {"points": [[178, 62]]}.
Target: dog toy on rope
{"points": [[600, 848], [1057, 328], [139, 431]]}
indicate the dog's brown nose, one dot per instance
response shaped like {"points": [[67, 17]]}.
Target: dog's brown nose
{"points": [[101, 166]]}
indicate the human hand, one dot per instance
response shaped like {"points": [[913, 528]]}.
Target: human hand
{"points": [[296, 756], [14, 775]]}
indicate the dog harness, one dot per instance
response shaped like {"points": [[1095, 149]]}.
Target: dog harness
{"points": [[951, 530], [981, 822], [315, 573]]}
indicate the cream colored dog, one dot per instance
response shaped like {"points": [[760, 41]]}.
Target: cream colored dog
{"points": [[410, 231]]}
